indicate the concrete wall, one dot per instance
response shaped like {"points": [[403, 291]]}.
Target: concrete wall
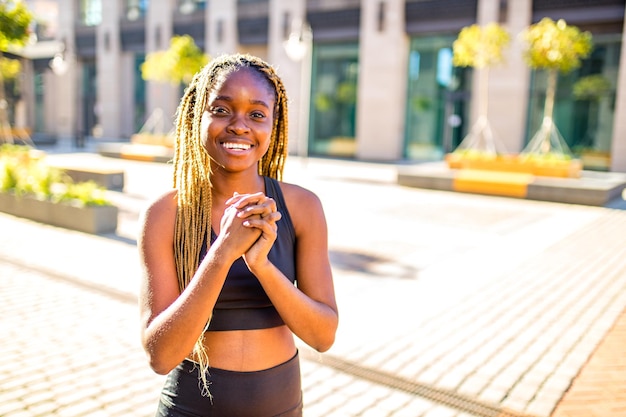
{"points": [[160, 96], [108, 67], [221, 27], [284, 18], [509, 83], [61, 90], [381, 97]]}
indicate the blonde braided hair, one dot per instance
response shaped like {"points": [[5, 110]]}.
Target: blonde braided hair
{"points": [[192, 168]]}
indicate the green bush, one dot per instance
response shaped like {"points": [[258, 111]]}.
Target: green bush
{"points": [[23, 172]]}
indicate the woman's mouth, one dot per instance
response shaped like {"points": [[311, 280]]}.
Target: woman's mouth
{"points": [[236, 146]]}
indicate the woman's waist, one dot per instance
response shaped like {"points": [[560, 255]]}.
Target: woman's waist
{"points": [[249, 350]]}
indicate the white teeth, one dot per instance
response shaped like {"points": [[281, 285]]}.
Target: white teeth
{"points": [[240, 146]]}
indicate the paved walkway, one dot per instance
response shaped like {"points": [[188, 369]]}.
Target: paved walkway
{"points": [[450, 305]]}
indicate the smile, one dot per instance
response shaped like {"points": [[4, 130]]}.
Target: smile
{"points": [[237, 146]]}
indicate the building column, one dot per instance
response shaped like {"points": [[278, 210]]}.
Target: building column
{"points": [[108, 50], [618, 143], [61, 90], [221, 27], [509, 82], [293, 65], [382, 82], [162, 98]]}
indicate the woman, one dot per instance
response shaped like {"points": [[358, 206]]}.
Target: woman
{"points": [[221, 253]]}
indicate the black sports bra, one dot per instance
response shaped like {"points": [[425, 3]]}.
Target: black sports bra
{"points": [[242, 303]]}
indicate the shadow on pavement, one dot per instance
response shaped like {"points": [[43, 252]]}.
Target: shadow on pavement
{"points": [[371, 264]]}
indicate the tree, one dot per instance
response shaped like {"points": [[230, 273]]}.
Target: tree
{"points": [[176, 65], [481, 48], [15, 20], [554, 47]]}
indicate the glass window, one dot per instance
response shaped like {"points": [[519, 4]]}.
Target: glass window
{"points": [[585, 121], [333, 100], [438, 100], [91, 12], [139, 94], [136, 9], [40, 112], [89, 124], [190, 6]]}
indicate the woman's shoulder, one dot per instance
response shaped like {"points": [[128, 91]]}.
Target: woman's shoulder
{"points": [[297, 193], [301, 202], [166, 198], [163, 205]]}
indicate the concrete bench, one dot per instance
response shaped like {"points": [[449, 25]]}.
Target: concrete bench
{"points": [[592, 188], [109, 178]]}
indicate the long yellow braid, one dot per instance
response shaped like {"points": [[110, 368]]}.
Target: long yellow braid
{"points": [[192, 171]]}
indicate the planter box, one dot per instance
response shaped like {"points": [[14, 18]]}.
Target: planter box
{"points": [[109, 178], [88, 219], [152, 139], [596, 160], [517, 164]]}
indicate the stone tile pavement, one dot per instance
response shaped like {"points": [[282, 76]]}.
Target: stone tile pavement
{"points": [[450, 304]]}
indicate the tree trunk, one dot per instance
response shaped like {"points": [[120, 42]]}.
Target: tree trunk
{"points": [[550, 93], [6, 135]]}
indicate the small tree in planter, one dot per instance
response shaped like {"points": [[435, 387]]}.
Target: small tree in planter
{"points": [[177, 65], [480, 48], [554, 47], [14, 22]]}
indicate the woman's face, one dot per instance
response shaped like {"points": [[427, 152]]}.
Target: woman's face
{"points": [[237, 123]]}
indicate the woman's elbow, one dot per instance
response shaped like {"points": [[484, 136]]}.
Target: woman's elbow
{"points": [[325, 344], [159, 361], [326, 339], [160, 366]]}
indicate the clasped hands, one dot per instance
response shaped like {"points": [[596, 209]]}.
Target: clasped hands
{"points": [[249, 222]]}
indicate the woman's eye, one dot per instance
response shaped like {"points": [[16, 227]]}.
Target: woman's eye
{"points": [[258, 115], [218, 110]]}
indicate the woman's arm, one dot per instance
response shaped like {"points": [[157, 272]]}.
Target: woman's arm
{"points": [[310, 309], [171, 321]]}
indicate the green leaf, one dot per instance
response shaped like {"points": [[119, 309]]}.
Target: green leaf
{"points": [[555, 45], [176, 65], [9, 68], [15, 20], [480, 47]]}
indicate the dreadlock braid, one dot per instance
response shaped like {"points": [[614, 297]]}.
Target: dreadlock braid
{"points": [[192, 166]]}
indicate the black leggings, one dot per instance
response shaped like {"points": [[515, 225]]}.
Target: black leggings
{"points": [[272, 392]]}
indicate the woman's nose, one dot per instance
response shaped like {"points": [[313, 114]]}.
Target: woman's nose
{"points": [[238, 125]]}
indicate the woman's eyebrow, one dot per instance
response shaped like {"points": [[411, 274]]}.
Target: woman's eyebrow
{"points": [[260, 103], [252, 101]]}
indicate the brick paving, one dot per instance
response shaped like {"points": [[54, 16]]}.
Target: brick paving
{"points": [[600, 388], [451, 305]]}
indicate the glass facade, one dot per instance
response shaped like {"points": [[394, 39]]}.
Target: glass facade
{"points": [[136, 9], [139, 96], [90, 12], [190, 6], [437, 112], [584, 121], [89, 94], [40, 111], [333, 100]]}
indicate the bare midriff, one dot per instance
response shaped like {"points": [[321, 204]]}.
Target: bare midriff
{"points": [[249, 350]]}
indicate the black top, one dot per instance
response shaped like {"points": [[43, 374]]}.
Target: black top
{"points": [[242, 303]]}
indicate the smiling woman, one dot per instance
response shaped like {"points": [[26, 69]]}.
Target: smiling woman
{"points": [[238, 120], [235, 261]]}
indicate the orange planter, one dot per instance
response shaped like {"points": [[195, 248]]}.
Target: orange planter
{"points": [[517, 164]]}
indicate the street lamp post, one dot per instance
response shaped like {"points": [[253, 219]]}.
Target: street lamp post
{"points": [[299, 46], [60, 65]]}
